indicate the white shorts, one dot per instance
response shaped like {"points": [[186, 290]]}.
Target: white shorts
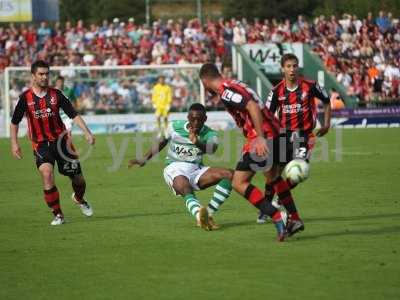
{"points": [[191, 171]]}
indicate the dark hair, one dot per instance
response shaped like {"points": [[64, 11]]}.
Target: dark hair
{"points": [[209, 70], [288, 56], [197, 107], [39, 64], [60, 78]]}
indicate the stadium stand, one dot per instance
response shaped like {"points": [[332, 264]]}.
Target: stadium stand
{"points": [[363, 54]]}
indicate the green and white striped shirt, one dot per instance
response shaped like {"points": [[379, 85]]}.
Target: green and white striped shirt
{"points": [[181, 148]]}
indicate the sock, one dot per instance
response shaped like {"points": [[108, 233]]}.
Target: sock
{"points": [[254, 195], [276, 217], [52, 198], [221, 192], [192, 205], [269, 192], [79, 190], [285, 197]]}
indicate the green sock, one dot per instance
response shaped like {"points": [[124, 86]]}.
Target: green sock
{"points": [[192, 205], [221, 192]]}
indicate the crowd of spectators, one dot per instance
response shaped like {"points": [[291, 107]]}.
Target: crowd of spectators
{"points": [[363, 54]]}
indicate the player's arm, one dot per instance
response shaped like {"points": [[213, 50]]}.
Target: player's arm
{"points": [[321, 94], [327, 120], [153, 151], [272, 101], [210, 147], [18, 114], [260, 145], [70, 111], [82, 125]]}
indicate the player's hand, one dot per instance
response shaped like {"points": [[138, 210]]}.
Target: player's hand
{"points": [[16, 151], [133, 162], [322, 131], [260, 146], [193, 137], [90, 139]]}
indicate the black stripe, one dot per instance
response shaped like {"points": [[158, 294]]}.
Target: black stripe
{"points": [[50, 120], [310, 118], [299, 116], [212, 207], [287, 103], [280, 107], [31, 121], [218, 201], [40, 121], [60, 123], [52, 190], [268, 187], [248, 191], [56, 201], [284, 194]]}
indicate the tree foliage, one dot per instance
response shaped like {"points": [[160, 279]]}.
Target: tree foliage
{"points": [[97, 10]]}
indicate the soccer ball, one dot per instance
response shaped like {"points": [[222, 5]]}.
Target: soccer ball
{"points": [[296, 171]]}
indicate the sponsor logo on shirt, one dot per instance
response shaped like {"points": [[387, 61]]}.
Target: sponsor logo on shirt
{"points": [[43, 113], [292, 108]]}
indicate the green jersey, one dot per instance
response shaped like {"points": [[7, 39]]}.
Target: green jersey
{"points": [[69, 93], [180, 147]]}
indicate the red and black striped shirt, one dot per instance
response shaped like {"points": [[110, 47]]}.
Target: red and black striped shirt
{"points": [[296, 108], [42, 113], [235, 95]]}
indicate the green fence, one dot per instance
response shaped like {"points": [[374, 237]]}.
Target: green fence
{"points": [[249, 72]]}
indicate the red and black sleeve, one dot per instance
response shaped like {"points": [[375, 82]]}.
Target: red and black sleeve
{"points": [[272, 101], [320, 93], [237, 96], [66, 105], [19, 111]]}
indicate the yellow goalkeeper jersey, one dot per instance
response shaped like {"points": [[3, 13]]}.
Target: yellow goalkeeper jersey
{"points": [[161, 95]]}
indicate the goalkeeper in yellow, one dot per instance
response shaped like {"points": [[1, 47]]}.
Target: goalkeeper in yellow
{"points": [[162, 99]]}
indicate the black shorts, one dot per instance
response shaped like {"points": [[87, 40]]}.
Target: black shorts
{"points": [[301, 144], [280, 153], [61, 152]]}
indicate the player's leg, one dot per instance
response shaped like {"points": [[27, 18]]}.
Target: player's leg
{"points": [[222, 178], [177, 176], [78, 183], [269, 194], [165, 125], [182, 187], [294, 223], [158, 117], [69, 165], [45, 165], [282, 154], [51, 194], [241, 183]]}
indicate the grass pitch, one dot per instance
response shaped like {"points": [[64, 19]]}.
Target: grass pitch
{"points": [[142, 244]]}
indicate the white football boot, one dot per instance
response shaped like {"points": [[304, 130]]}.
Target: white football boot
{"points": [[85, 207], [58, 220]]}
